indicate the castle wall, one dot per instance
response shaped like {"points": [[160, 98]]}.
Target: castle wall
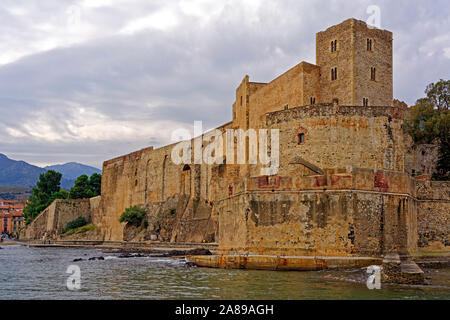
{"points": [[240, 106], [339, 136], [149, 178], [363, 212], [336, 137], [37, 228], [136, 179], [69, 210], [292, 89], [52, 221], [433, 214]]}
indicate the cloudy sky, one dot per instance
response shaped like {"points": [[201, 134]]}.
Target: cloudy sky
{"points": [[89, 80]]}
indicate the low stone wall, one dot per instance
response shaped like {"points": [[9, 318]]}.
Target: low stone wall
{"points": [[52, 221], [433, 217], [39, 227]]}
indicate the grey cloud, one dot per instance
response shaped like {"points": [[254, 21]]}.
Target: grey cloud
{"points": [[187, 73]]}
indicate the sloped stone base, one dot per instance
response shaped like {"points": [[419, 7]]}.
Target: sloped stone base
{"points": [[404, 272]]}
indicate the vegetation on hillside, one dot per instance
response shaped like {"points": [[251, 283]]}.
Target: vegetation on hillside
{"points": [[429, 122]]}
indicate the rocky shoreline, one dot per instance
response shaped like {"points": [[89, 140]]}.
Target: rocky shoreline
{"points": [[141, 253]]}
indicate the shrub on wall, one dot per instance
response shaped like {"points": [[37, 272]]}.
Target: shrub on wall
{"points": [[78, 222], [134, 215]]}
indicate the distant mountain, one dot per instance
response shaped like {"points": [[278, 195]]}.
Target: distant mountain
{"points": [[20, 173], [72, 170]]}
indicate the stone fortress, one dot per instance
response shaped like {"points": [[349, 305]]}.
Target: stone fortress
{"points": [[344, 187]]}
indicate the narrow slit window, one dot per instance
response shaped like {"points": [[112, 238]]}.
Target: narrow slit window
{"points": [[313, 100], [373, 73], [301, 138], [334, 46], [369, 44], [365, 102], [334, 74]]}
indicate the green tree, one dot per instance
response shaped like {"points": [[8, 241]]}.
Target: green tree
{"points": [[61, 194], [439, 94], [421, 124], [81, 188], [429, 122], [48, 186], [86, 187], [95, 184]]}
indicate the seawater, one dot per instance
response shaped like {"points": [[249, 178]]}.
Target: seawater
{"points": [[40, 273]]}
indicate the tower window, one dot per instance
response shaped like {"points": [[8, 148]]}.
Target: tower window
{"points": [[365, 102], [312, 100], [369, 44], [301, 138], [334, 74], [373, 73], [241, 100], [334, 46]]}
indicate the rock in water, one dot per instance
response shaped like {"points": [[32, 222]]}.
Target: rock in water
{"points": [[198, 252]]}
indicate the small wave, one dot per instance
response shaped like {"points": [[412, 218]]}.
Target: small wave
{"points": [[111, 257], [163, 260], [10, 246]]}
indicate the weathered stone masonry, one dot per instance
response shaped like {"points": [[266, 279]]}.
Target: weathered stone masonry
{"points": [[52, 221], [344, 185]]}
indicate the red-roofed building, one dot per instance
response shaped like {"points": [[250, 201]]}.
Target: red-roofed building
{"points": [[11, 216]]}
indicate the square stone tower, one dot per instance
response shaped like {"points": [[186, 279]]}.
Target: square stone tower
{"points": [[356, 64]]}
